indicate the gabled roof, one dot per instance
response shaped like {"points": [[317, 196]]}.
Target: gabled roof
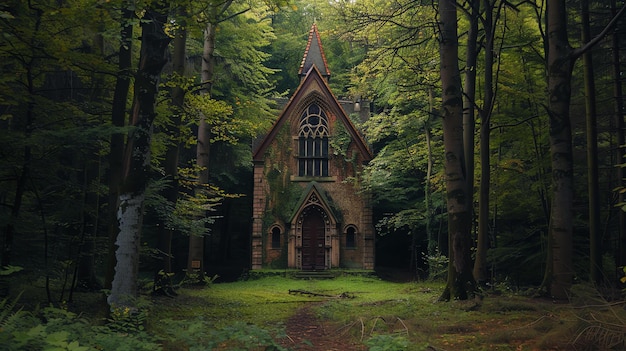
{"points": [[315, 80], [322, 200], [314, 55]]}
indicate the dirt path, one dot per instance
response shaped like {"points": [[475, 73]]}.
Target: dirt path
{"points": [[306, 332]]}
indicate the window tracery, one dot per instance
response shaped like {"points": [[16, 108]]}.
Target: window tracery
{"points": [[313, 142]]}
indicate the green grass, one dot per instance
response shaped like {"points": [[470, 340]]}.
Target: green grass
{"points": [[373, 310], [253, 314]]}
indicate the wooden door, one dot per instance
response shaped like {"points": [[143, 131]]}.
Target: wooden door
{"points": [[313, 251]]}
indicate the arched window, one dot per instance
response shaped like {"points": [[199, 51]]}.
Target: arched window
{"points": [[313, 143], [276, 237], [351, 237]]}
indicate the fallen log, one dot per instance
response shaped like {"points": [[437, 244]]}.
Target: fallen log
{"points": [[343, 295]]}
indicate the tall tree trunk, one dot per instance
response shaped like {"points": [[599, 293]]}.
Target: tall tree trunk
{"points": [[196, 243], [428, 201], [621, 139], [116, 148], [559, 269], [469, 99], [561, 58], [86, 274], [460, 283], [482, 242], [593, 188], [163, 281], [153, 52]]}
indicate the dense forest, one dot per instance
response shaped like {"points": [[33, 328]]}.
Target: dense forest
{"points": [[127, 130]]}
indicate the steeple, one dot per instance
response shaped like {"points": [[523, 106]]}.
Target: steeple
{"points": [[314, 55]]}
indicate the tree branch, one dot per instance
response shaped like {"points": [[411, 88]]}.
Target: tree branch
{"points": [[233, 15], [581, 50], [513, 124]]}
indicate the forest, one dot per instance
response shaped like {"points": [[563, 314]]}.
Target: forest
{"points": [[128, 126]]}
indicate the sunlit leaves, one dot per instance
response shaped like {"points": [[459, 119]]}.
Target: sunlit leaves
{"points": [[396, 176]]}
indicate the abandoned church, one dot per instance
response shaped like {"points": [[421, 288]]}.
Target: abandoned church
{"points": [[309, 211]]}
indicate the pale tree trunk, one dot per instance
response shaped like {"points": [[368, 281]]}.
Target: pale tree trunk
{"points": [[460, 283], [116, 147], [621, 140], [195, 262], [162, 280], [595, 256], [152, 58]]}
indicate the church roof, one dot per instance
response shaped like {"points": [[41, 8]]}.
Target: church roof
{"points": [[314, 79], [314, 55], [315, 74]]}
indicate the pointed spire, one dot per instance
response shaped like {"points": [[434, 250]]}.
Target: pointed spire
{"points": [[314, 55]]}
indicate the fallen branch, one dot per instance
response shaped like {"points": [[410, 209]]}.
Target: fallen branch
{"points": [[343, 295], [389, 324]]}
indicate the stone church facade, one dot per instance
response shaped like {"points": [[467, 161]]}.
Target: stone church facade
{"points": [[309, 211]]}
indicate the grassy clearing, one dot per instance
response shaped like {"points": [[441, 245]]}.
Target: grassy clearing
{"points": [[253, 314], [369, 310]]}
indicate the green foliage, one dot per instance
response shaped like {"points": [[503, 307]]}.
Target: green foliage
{"points": [[218, 114], [198, 335], [8, 270], [291, 27], [197, 279], [242, 336], [193, 212], [383, 315], [396, 176], [127, 320], [385, 342], [56, 329], [518, 247], [437, 265], [340, 140]]}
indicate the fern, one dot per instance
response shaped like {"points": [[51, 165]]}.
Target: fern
{"points": [[7, 315], [603, 337]]}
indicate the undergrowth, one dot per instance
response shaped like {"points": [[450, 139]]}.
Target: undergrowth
{"points": [[53, 328], [381, 315]]}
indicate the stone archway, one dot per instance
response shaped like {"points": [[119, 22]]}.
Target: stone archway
{"points": [[313, 239]]}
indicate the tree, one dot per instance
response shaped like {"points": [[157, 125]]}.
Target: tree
{"points": [[492, 12], [232, 104], [621, 139], [152, 58], [593, 187], [195, 261], [163, 274], [560, 59], [118, 120], [50, 111], [398, 74], [469, 125], [460, 283]]}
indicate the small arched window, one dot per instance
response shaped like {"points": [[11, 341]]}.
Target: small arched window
{"points": [[313, 143], [351, 237], [276, 237]]}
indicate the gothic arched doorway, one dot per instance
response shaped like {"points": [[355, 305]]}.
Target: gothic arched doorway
{"points": [[313, 238]]}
